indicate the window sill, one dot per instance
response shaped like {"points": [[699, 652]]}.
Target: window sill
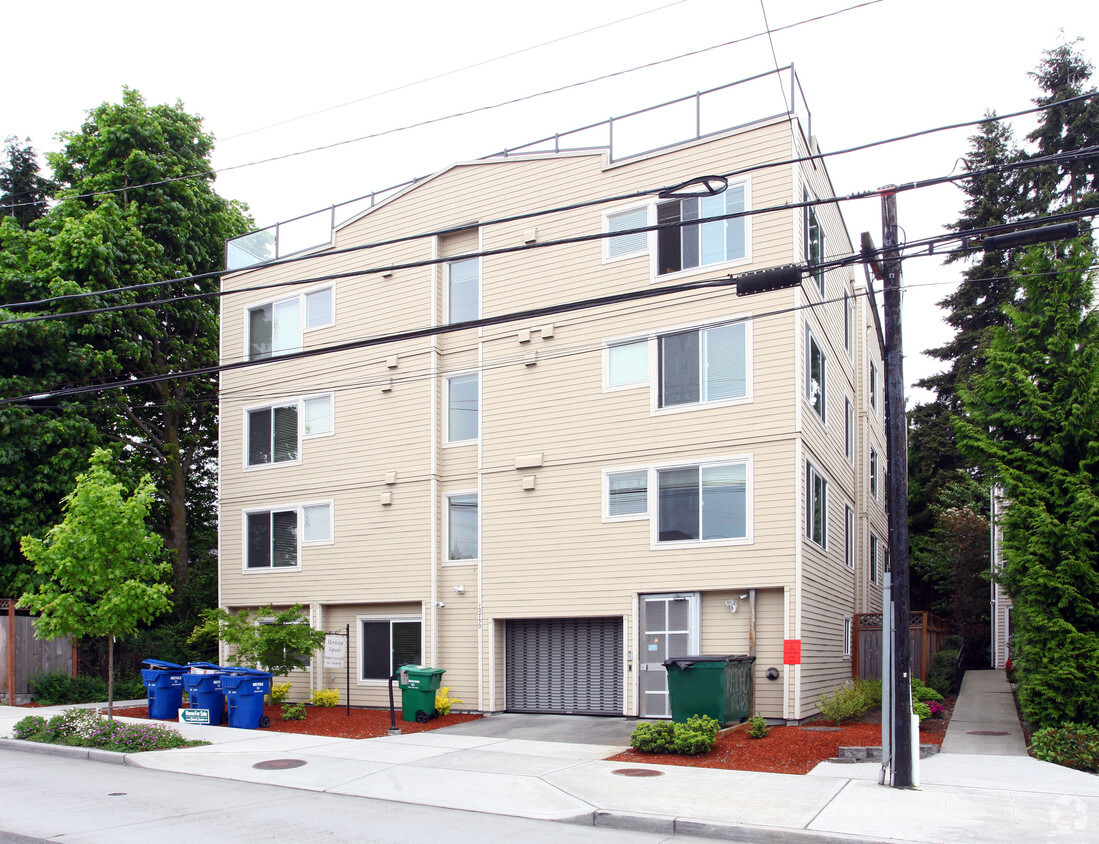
{"points": [[697, 543], [670, 410], [705, 268]]}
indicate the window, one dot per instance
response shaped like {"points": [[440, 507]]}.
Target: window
{"points": [[627, 493], [847, 636], [848, 321], [271, 536], [463, 290], [627, 364], [703, 365], [278, 654], [816, 506], [274, 433], [703, 502], [700, 244], [275, 328], [815, 365], [814, 244], [849, 537], [873, 559], [461, 527], [462, 408], [385, 644], [848, 430], [627, 244], [873, 474], [873, 387]]}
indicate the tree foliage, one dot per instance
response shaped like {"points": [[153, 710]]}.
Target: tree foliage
{"points": [[23, 190], [278, 641], [1032, 423], [101, 566]]}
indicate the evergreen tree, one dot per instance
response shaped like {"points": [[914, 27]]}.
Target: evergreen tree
{"points": [[23, 191], [1032, 424]]}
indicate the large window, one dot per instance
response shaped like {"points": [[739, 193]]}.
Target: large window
{"points": [[681, 247], [461, 527], [815, 373], [703, 365], [462, 408], [816, 506], [627, 244], [627, 494], [627, 364], [385, 644], [273, 538], [814, 244], [275, 328], [274, 433], [463, 290], [704, 502]]}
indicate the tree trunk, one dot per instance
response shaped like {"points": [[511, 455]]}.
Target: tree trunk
{"points": [[110, 678], [177, 503]]}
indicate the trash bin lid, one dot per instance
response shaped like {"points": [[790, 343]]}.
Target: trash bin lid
{"points": [[207, 665], [685, 662], [237, 669], [160, 663]]}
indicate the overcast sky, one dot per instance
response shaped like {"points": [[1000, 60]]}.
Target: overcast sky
{"points": [[278, 77]]}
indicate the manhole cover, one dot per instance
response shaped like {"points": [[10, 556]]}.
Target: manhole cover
{"points": [[279, 764], [638, 772], [986, 733], [822, 729]]}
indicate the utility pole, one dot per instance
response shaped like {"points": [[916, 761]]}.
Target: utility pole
{"points": [[896, 434]]}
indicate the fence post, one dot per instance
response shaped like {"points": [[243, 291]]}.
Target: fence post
{"points": [[11, 652]]}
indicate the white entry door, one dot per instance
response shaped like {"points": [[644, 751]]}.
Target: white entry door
{"points": [[669, 628]]}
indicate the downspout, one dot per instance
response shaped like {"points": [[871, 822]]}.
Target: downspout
{"points": [[433, 381], [752, 651]]}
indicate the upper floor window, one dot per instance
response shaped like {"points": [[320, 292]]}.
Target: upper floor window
{"points": [[849, 537], [815, 374], [463, 290], [703, 365], [273, 538], [682, 247], [816, 506], [873, 473], [873, 559], [848, 429], [847, 636], [627, 364], [703, 502], [274, 433], [462, 527], [627, 244], [873, 386], [275, 328], [627, 493], [848, 321], [462, 408], [814, 244]]}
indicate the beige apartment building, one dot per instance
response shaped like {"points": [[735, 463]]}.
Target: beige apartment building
{"points": [[549, 505]]}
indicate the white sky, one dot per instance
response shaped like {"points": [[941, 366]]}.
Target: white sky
{"points": [[886, 69]]}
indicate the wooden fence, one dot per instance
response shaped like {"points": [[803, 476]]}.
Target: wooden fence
{"points": [[926, 634], [22, 655]]}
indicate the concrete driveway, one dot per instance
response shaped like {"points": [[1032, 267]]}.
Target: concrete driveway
{"points": [[573, 729]]}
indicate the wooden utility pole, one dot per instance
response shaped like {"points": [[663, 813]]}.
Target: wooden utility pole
{"points": [[896, 434]]}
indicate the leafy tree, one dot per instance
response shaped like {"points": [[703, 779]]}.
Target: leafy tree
{"points": [[279, 641], [23, 191], [101, 564], [1032, 423]]}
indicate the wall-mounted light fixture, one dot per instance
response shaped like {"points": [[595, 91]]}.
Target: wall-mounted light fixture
{"points": [[461, 590]]}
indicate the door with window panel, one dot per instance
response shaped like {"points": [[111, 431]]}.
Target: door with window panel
{"points": [[669, 628]]}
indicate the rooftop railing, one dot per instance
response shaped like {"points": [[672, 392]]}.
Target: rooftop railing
{"points": [[642, 132]]}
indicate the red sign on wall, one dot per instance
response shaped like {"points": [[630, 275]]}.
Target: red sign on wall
{"points": [[791, 651]]}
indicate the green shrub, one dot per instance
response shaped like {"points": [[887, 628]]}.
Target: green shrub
{"points": [[923, 692], [922, 710], [842, 703], [870, 690], [689, 742], [87, 728], [940, 677], [60, 689], [1071, 745], [703, 724], [443, 700], [293, 712], [279, 691], [757, 727], [324, 697], [653, 738], [690, 739]]}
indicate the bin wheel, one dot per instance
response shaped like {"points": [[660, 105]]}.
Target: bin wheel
{"points": [[422, 717], [264, 721], [224, 717]]}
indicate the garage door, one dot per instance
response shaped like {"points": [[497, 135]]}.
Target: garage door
{"points": [[564, 665]]}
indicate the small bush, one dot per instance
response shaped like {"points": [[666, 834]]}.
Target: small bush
{"points": [[842, 703], [870, 690], [60, 689], [690, 739], [757, 727], [940, 676], [923, 692], [923, 710], [690, 742], [324, 697], [937, 709], [293, 712], [1071, 745], [279, 691], [87, 728], [653, 738], [443, 700]]}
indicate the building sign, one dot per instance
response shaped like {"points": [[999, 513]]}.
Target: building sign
{"points": [[335, 651]]}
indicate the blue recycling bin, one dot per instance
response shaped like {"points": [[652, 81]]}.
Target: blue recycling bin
{"points": [[164, 686], [245, 689], [204, 689]]}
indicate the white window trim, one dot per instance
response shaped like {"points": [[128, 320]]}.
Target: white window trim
{"points": [[446, 285], [848, 634], [849, 539], [302, 328], [359, 619], [654, 368], [654, 503], [873, 563], [872, 390], [810, 471], [447, 441], [849, 430], [706, 268], [625, 341], [302, 436], [872, 460], [610, 259], [809, 212], [632, 517], [849, 320], [446, 529], [299, 508], [810, 340]]}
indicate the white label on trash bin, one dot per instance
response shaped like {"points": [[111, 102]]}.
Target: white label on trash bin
{"points": [[335, 651]]}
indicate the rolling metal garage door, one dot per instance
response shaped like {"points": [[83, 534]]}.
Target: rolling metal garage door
{"points": [[564, 665]]}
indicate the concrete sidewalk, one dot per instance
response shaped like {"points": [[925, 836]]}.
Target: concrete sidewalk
{"points": [[970, 794]]}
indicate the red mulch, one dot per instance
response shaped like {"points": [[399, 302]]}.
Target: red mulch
{"points": [[334, 721]]}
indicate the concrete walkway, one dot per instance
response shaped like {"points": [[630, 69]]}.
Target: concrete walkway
{"points": [[985, 721], [976, 796]]}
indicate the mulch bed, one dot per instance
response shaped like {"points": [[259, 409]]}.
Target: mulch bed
{"points": [[334, 721]]}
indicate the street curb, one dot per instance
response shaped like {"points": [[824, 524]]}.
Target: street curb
{"points": [[661, 824], [93, 754], [767, 835]]}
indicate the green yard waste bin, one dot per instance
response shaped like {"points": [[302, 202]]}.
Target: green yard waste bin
{"points": [[418, 686], [703, 684]]}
